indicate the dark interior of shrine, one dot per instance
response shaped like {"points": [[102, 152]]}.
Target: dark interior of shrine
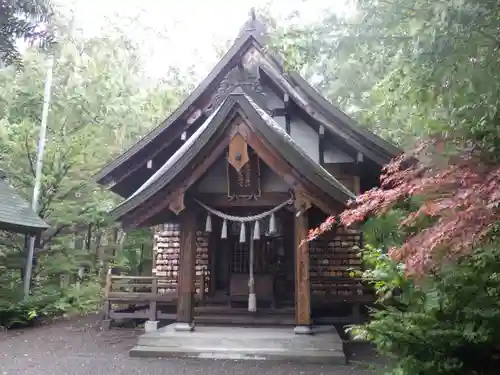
{"points": [[273, 262]]}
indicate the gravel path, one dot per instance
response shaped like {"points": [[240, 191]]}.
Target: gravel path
{"points": [[78, 347]]}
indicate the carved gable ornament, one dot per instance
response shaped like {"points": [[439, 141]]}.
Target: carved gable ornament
{"points": [[238, 152], [236, 77], [177, 204]]}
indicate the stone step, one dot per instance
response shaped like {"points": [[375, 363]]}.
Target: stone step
{"points": [[299, 356], [324, 346], [246, 319], [168, 342]]}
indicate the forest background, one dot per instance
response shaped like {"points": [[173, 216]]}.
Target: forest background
{"points": [[423, 74]]}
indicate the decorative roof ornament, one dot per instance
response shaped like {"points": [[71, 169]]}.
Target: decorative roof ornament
{"points": [[236, 77], [253, 25]]}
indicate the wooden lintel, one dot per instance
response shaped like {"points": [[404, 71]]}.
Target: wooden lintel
{"points": [[222, 200], [302, 287], [185, 286]]}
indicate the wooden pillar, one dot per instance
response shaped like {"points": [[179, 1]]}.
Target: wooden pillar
{"points": [[151, 324], [302, 286], [185, 286]]}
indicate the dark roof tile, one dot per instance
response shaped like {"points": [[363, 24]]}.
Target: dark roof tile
{"points": [[15, 212]]}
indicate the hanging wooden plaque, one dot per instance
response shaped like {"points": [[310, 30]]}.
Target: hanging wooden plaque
{"points": [[244, 183]]}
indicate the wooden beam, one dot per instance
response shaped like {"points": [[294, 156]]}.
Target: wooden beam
{"points": [[302, 286], [321, 149], [288, 126], [222, 200], [185, 286]]}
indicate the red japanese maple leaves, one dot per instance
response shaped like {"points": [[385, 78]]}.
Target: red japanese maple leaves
{"points": [[328, 225], [462, 198]]}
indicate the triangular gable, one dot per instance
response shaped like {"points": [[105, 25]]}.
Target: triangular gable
{"points": [[294, 154], [269, 130], [335, 121]]}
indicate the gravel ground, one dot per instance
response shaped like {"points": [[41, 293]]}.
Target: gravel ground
{"points": [[79, 347]]}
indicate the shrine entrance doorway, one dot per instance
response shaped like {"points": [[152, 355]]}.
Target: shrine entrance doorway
{"points": [[273, 266]]}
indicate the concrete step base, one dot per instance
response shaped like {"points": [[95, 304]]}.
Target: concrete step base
{"points": [[324, 346]]}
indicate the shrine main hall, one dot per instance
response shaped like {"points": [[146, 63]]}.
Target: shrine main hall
{"points": [[232, 181]]}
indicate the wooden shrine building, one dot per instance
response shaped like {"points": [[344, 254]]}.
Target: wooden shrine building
{"points": [[234, 179]]}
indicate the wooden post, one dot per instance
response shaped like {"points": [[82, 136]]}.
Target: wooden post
{"points": [[302, 287], [152, 303], [185, 296], [106, 322], [152, 322]]}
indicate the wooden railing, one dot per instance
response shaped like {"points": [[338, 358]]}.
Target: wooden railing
{"points": [[145, 291]]}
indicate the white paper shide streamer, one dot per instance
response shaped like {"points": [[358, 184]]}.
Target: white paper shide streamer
{"points": [[254, 235]]}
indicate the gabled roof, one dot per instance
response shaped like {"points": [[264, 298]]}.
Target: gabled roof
{"points": [[268, 129], [247, 36], [378, 144], [333, 119], [336, 122], [16, 214]]}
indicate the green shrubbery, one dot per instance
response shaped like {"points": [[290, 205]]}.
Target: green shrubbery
{"points": [[445, 323], [48, 301]]}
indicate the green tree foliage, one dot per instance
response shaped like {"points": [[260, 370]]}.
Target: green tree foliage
{"points": [[102, 101], [446, 323], [22, 19], [409, 68], [414, 71]]}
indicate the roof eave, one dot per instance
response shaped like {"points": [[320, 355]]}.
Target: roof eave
{"points": [[308, 167], [160, 183], [19, 228], [103, 177], [389, 149]]}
